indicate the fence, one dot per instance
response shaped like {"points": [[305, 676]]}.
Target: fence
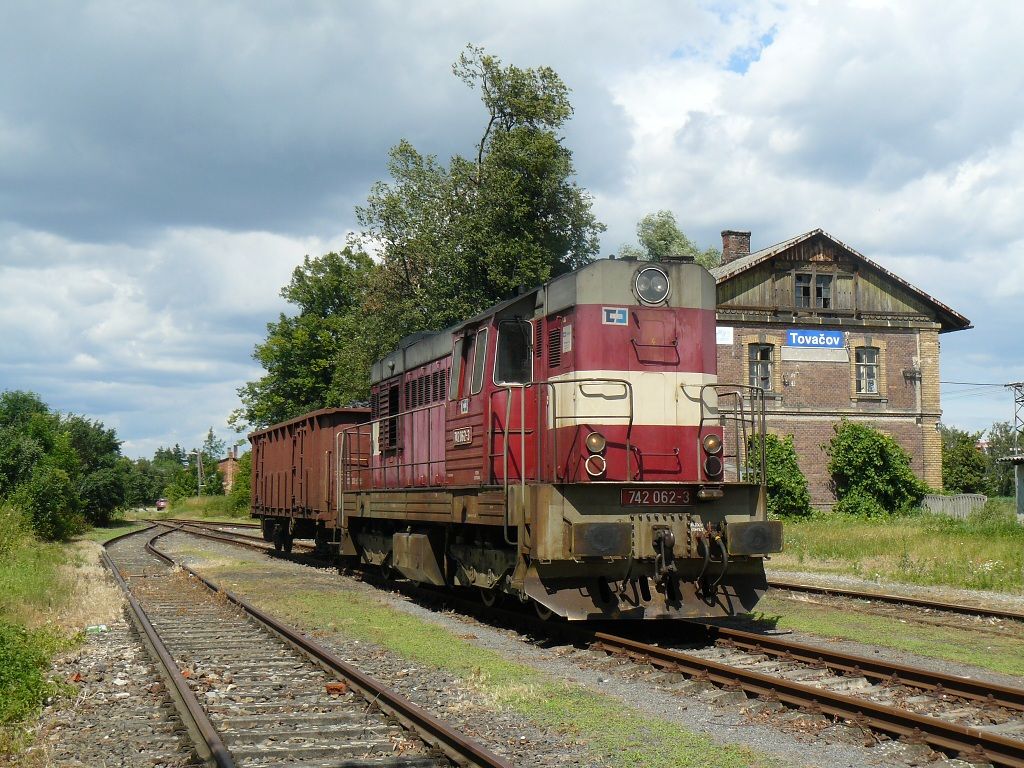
{"points": [[959, 506]]}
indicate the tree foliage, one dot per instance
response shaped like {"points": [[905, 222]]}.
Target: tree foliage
{"points": [[319, 357], [661, 238], [999, 474], [452, 239], [870, 472], [786, 484], [964, 466], [241, 490]]}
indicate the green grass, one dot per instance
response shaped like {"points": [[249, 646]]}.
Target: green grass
{"points": [[1000, 654], [985, 551], [615, 733], [103, 534], [215, 508], [32, 586]]}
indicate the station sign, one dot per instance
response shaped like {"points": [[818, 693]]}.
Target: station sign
{"points": [[815, 339]]}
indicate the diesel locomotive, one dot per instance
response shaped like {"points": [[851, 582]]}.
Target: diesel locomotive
{"points": [[570, 447]]}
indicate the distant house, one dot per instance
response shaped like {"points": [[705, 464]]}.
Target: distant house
{"points": [[830, 334], [229, 468]]}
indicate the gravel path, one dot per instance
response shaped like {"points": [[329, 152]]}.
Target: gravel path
{"points": [[121, 715], [792, 738]]}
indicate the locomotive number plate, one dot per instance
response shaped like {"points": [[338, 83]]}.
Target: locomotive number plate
{"points": [[654, 497], [462, 436]]}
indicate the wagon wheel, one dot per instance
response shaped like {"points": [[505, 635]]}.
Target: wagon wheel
{"points": [[543, 612]]}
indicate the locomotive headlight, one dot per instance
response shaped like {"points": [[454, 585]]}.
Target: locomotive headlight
{"points": [[712, 443], [651, 285], [596, 442]]}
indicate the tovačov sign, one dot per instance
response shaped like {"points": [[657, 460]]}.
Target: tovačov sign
{"points": [[816, 339]]}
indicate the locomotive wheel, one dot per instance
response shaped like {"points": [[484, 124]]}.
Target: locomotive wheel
{"points": [[287, 544], [488, 597]]}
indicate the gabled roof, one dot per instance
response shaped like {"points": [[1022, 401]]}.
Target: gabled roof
{"points": [[949, 319]]}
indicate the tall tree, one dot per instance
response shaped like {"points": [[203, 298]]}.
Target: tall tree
{"points": [[458, 238], [661, 238], [452, 240]]}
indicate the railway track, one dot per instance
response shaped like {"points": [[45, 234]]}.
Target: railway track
{"points": [[882, 597], [253, 692], [981, 722]]}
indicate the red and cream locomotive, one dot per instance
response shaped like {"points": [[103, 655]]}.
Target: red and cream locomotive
{"points": [[570, 446]]}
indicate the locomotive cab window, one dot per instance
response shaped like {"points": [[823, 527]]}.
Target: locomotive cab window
{"points": [[455, 382], [479, 357], [513, 363]]}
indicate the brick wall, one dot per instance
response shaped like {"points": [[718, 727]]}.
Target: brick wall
{"points": [[809, 397]]}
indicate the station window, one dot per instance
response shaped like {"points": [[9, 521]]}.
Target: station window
{"points": [[760, 363], [867, 370], [802, 290], [823, 292], [513, 363], [813, 291]]}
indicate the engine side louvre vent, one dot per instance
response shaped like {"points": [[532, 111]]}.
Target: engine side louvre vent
{"points": [[554, 347], [538, 337]]}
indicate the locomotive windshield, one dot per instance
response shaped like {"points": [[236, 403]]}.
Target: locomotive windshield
{"points": [[513, 363]]}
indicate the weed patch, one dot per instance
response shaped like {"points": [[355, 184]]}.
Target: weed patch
{"points": [[1000, 654], [985, 551]]}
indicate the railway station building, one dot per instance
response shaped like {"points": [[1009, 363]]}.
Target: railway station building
{"points": [[830, 334]]}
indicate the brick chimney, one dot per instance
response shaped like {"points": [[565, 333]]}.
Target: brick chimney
{"points": [[734, 245]]}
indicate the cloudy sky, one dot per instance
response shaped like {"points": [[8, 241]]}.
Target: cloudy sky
{"points": [[164, 166]]}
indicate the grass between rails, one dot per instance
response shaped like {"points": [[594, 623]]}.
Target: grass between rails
{"points": [[986, 551], [999, 654], [618, 734]]}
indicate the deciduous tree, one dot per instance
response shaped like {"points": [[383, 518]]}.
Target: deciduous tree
{"points": [[452, 239], [661, 238], [963, 464]]}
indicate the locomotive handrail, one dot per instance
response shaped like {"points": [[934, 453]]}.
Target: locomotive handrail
{"points": [[743, 394], [366, 428], [555, 417]]}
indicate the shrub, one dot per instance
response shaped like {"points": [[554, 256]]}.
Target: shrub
{"points": [[241, 490], [859, 504], [867, 464], [24, 660], [786, 485], [50, 501]]}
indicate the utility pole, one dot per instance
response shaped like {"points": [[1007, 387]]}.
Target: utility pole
{"points": [[1016, 457], [199, 470]]}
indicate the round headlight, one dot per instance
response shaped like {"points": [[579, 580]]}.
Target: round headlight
{"points": [[651, 285], [596, 442], [712, 443], [713, 466], [595, 465]]}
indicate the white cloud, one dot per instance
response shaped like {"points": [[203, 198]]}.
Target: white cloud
{"points": [[166, 166]]}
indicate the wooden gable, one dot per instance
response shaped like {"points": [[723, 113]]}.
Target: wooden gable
{"points": [[818, 276]]}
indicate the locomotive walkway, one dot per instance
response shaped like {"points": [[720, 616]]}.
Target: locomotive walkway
{"points": [[253, 692]]}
